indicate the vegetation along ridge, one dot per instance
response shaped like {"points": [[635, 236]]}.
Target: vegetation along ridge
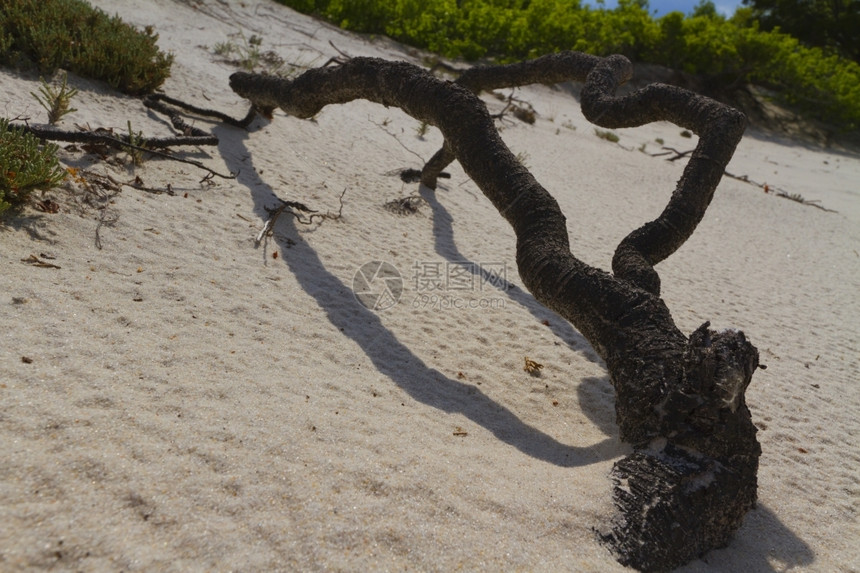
{"points": [[818, 75]]}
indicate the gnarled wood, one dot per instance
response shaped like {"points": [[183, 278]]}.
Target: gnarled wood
{"points": [[679, 401], [549, 69]]}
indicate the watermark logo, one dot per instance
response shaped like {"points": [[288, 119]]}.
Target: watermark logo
{"points": [[430, 276], [377, 285]]}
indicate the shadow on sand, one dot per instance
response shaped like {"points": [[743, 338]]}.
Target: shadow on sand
{"points": [[764, 542], [388, 354]]}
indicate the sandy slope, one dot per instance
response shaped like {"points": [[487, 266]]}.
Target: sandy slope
{"points": [[191, 402]]}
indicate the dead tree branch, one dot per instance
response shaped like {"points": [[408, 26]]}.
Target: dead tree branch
{"points": [[189, 135], [151, 145], [670, 150], [679, 400], [117, 141], [796, 197], [157, 102]]}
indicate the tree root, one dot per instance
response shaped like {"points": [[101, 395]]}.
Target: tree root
{"points": [[157, 102], [679, 400]]}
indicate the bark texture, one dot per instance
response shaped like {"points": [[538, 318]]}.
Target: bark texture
{"points": [[679, 400], [550, 69]]}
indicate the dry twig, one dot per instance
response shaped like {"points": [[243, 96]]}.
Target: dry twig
{"points": [[295, 209]]}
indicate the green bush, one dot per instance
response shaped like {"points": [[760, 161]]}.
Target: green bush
{"points": [[474, 29], [73, 35], [25, 166], [736, 51], [727, 52]]}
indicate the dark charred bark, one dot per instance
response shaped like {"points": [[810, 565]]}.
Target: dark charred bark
{"points": [[679, 400], [549, 69]]}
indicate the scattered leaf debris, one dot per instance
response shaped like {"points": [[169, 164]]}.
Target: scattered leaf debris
{"points": [[405, 206], [48, 206], [532, 367], [37, 262]]}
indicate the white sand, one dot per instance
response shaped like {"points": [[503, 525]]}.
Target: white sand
{"points": [[193, 404]]}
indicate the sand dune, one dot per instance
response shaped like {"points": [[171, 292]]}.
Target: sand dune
{"points": [[183, 400]]}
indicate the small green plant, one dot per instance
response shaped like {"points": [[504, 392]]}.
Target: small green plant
{"points": [[73, 35], [686, 133], [422, 128], [25, 166], [56, 100], [250, 55], [660, 141], [223, 49], [607, 135], [137, 140], [523, 157], [247, 56], [524, 113]]}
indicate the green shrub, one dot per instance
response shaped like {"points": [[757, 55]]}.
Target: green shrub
{"points": [[25, 166], [73, 35], [735, 52], [6, 41], [727, 52]]}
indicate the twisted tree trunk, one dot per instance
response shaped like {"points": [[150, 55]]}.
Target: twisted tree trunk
{"points": [[679, 400]]}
